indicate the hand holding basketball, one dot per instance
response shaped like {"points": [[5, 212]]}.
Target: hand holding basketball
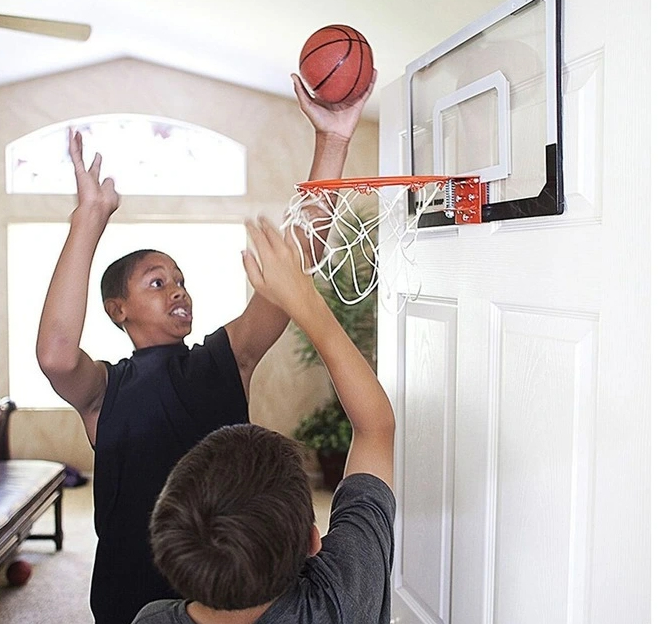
{"points": [[336, 64], [337, 119]]}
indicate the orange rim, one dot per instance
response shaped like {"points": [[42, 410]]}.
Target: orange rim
{"points": [[365, 184]]}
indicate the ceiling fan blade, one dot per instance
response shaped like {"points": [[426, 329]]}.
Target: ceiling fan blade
{"points": [[51, 28]]}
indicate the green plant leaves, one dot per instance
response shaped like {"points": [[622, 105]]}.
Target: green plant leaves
{"points": [[326, 429]]}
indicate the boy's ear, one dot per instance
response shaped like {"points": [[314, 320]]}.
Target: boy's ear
{"points": [[114, 309], [314, 542]]}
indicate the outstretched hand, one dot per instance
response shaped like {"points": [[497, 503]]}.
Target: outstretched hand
{"points": [[91, 192], [279, 276], [340, 119]]}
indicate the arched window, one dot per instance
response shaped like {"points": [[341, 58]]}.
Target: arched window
{"points": [[145, 155]]}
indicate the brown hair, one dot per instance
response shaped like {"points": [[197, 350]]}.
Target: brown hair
{"points": [[231, 527]]}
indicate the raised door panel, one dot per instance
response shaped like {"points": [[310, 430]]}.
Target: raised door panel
{"points": [[425, 460]]}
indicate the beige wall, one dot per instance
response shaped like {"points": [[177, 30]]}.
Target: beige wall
{"points": [[279, 142]]}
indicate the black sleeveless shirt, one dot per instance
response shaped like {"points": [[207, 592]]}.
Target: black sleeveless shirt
{"points": [[158, 405]]}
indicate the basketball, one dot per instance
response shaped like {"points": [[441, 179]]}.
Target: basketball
{"points": [[336, 64], [18, 573]]}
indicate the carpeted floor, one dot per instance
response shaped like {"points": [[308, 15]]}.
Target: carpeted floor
{"points": [[58, 590]]}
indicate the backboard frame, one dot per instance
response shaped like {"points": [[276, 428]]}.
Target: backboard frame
{"points": [[550, 200]]}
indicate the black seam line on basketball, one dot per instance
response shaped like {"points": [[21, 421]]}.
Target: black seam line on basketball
{"points": [[345, 30], [314, 50], [342, 60], [358, 40], [358, 76]]}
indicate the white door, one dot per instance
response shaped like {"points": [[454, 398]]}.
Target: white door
{"points": [[520, 376]]}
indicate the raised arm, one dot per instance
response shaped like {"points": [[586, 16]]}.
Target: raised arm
{"points": [[280, 279], [334, 126], [259, 327], [73, 374]]}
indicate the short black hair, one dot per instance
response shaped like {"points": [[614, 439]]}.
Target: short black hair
{"points": [[232, 526], [114, 282]]}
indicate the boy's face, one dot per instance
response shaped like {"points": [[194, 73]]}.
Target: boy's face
{"points": [[157, 309]]}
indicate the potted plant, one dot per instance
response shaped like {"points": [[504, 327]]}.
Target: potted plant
{"points": [[327, 431]]}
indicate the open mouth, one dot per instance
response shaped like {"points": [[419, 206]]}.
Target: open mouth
{"points": [[183, 313]]}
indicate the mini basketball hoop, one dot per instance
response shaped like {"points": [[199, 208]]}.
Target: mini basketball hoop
{"points": [[331, 212]]}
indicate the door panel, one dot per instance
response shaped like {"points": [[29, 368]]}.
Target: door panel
{"points": [[549, 511], [426, 467], [544, 370]]}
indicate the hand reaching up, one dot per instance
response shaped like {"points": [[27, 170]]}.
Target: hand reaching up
{"points": [[279, 276], [92, 194]]}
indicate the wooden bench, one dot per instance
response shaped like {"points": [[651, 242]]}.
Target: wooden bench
{"points": [[28, 487]]}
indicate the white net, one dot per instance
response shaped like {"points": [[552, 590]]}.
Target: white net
{"points": [[351, 225]]}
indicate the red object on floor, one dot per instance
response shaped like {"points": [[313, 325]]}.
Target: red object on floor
{"points": [[18, 573]]}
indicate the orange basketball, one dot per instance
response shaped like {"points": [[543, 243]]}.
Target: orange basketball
{"points": [[336, 64]]}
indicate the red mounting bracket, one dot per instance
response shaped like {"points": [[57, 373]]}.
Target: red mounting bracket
{"points": [[468, 195]]}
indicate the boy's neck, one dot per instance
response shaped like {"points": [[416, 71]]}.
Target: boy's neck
{"points": [[205, 615]]}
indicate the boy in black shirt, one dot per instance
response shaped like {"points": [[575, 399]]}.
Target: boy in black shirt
{"points": [[142, 414]]}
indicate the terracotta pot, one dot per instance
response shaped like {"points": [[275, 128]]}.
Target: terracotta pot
{"points": [[333, 467]]}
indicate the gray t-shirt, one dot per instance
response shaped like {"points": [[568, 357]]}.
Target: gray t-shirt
{"points": [[347, 581]]}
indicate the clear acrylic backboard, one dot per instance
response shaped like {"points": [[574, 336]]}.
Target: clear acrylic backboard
{"points": [[487, 102]]}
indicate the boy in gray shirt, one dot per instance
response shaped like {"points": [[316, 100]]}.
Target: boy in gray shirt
{"points": [[233, 529]]}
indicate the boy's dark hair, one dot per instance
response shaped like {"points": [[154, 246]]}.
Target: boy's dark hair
{"points": [[114, 282], [232, 525]]}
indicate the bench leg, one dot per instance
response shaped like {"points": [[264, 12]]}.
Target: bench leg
{"points": [[59, 533]]}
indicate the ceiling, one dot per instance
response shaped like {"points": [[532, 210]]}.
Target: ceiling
{"points": [[254, 43]]}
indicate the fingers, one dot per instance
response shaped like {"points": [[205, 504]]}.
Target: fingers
{"points": [[255, 233], [90, 190], [371, 86], [260, 243], [252, 268], [292, 241], [305, 99], [263, 239], [108, 190], [75, 149], [274, 267], [300, 88], [95, 168], [264, 235], [272, 233], [273, 249], [108, 185]]}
